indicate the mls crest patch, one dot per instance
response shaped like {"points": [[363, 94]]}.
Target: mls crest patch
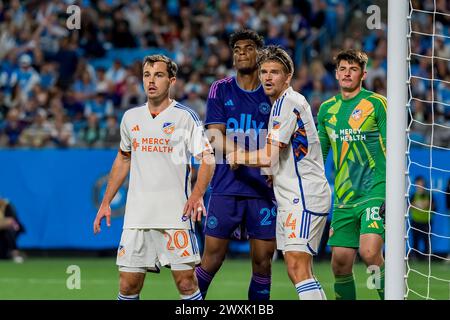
{"points": [[168, 127], [264, 108], [356, 114]]}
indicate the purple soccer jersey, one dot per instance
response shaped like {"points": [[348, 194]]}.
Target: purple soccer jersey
{"points": [[240, 197], [246, 115]]}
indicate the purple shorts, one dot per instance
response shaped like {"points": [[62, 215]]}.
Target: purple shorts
{"points": [[227, 213]]}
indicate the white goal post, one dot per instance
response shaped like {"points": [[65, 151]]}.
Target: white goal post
{"points": [[397, 97]]}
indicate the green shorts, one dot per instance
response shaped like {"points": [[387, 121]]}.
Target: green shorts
{"points": [[348, 224]]}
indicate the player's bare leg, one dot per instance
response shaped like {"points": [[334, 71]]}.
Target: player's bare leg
{"points": [[187, 284], [371, 252], [342, 260], [299, 268], [214, 253], [212, 259], [261, 252], [130, 285]]}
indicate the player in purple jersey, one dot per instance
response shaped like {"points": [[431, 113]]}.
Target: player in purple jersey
{"points": [[237, 114]]}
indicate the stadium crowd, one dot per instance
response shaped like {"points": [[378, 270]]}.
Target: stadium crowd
{"points": [[69, 88]]}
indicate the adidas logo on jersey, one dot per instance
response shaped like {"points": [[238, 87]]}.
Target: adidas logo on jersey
{"points": [[185, 254], [333, 120], [135, 128], [229, 103], [292, 235], [373, 225]]}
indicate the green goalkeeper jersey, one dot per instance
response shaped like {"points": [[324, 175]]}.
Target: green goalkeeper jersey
{"points": [[356, 131]]}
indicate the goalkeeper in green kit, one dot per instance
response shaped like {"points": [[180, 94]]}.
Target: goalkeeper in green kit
{"points": [[353, 123]]}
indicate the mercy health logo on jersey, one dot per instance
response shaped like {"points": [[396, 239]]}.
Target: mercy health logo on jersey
{"points": [[151, 145], [168, 127], [348, 135], [356, 114], [245, 124]]}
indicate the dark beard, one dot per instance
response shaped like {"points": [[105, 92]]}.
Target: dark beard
{"points": [[247, 71]]}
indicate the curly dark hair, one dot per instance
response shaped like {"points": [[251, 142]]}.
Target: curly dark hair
{"points": [[246, 34]]}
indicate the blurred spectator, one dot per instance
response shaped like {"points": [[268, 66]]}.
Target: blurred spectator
{"points": [[13, 128], [10, 229], [116, 73], [194, 101], [67, 60], [61, 132], [90, 134], [37, 135], [133, 93], [422, 205], [375, 71], [25, 76], [100, 105], [111, 133]]}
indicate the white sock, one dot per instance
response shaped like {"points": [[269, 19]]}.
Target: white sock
{"points": [[195, 296], [324, 297], [309, 289], [131, 297]]}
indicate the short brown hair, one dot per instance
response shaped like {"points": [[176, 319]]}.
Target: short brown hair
{"points": [[172, 67], [276, 53], [352, 56]]}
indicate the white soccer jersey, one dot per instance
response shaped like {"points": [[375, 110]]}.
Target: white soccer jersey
{"points": [[161, 150], [299, 181]]}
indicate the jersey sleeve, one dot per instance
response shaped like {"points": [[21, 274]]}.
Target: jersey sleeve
{"points": [[380, 114], [323, 135], [125, 141], [215, 112], [197, 141], [282, 124]]}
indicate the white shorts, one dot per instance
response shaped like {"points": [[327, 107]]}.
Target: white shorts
{"points": [[143, 250], [299, 230]]}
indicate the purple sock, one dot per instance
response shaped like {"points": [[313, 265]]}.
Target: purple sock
{"points": [[259, 287], [204, 280]]}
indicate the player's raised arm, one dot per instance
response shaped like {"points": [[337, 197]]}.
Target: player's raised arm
{"points": [[119, 172], [194, 207]]}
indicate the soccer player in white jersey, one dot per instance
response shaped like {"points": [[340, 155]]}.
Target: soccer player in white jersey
{"points": [[157, 142], [294, 156]]}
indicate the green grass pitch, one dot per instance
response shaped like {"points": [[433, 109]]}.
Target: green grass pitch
{"points": [[45, 278]]}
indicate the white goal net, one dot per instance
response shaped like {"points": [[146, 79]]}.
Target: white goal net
{"points": [[428, 156]]}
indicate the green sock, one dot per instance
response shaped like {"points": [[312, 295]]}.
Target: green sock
{"points": [[381, 290], [344, 287]]}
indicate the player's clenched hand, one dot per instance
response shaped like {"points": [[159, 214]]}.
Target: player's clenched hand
{"points": [[103, 211], [194, 208], [236, 158]]}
